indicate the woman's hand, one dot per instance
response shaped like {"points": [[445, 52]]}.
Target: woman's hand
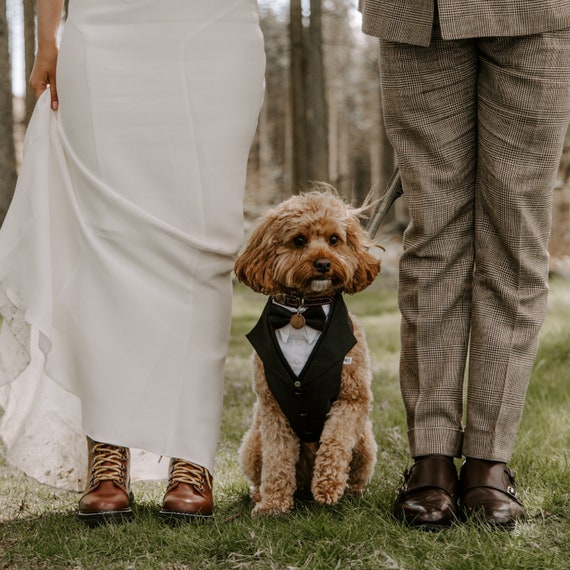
{"points": [[43, 73]]}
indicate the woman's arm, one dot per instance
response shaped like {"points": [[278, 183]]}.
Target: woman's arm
{"points": [[43, 72]]}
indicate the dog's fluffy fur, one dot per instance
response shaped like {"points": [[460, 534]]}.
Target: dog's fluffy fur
{"points": [[280, 257]]}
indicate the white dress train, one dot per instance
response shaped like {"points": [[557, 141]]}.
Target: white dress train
{"points": [[116, 253]]}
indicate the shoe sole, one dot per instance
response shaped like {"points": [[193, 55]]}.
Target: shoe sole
{"points": [[492, 524], [175, 517], [415, 524], [429, 527], [105, 517], [478, 516]]}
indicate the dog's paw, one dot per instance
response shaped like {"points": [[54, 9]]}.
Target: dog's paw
{"points": [[328, 492], [356, 489], [266, 508], [255, 494]]}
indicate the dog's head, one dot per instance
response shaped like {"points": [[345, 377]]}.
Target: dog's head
{"points": [[312, 244]]}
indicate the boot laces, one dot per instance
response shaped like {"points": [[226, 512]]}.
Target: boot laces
{"points": [[190, 473], [109, 463]]}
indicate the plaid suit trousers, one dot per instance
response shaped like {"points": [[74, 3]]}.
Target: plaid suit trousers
{"points": [[478, 127]]}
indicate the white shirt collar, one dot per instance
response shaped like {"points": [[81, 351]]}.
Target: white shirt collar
{"points": [[308, 333]]}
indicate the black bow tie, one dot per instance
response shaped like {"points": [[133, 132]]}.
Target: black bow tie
{"points": [[313, 317]]}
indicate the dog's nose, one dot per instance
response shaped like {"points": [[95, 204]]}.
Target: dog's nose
{"points": [[322, 265]]}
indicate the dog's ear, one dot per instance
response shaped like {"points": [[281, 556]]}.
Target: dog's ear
{"points": [[367, 266], [253, 265]]}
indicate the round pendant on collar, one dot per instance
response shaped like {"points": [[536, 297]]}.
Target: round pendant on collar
{"points": [[297, 321]]}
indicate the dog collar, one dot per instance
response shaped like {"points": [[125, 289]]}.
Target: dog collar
{"points": [[296, 302]]}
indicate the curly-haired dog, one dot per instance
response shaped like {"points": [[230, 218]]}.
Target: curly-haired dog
{"points": [[311, 372]]}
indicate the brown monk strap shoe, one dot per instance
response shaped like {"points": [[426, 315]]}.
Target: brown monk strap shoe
{"points": [[487, 492], [428, 498], [107, 497], [189, 492]]}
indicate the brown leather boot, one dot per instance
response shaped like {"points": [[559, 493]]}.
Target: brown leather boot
{"points": [[189, 492], [107, 497]]}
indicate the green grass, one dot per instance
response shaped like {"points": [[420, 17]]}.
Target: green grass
{"points": [[38, 528]]}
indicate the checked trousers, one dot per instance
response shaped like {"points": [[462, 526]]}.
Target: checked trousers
{"points": [[478, 127]]}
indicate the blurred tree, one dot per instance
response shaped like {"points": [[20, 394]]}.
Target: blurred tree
{"points": [[316, 98], [29, 53], [309, 114], [297, 86], [7, 150], [329, 127], [269, 172]]}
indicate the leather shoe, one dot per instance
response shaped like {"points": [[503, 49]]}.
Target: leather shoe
{"points": [[428, 497], [189, 492], [487, 492]]}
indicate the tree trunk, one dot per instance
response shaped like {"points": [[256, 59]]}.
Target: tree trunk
{"points": [[340, 87], [317, 115], [29, 51], [7, 150], [300, 173]]}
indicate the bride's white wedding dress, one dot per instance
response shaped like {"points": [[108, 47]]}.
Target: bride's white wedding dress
{"points": [[115, 256]]}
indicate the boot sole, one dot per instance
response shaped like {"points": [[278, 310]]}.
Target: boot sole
{"points": [[175, 517], [99, 518]]}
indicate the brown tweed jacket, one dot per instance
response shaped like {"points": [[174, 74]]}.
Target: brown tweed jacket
{"points": [[410, 21]]}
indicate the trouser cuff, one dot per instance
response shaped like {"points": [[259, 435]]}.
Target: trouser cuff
{"points": [[436, 440], [487, 445]]}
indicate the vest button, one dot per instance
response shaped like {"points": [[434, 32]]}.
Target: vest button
{"points": [[297, 384], [304, 414]]}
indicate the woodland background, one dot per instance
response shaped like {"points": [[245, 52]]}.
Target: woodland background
{"points": [[321, 121], [322, 117]]}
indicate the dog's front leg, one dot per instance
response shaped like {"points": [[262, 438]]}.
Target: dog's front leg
{"points": [[363, 461], [332, 463], [280, 453]]}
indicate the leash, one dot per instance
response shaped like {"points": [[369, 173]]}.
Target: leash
{"points": [[393, 191]]}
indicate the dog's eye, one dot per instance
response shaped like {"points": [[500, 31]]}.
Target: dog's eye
{"points": [[300, 241], [334, 239]]}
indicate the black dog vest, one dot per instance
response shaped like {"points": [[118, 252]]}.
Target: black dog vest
{"points": [[306, 399]]}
